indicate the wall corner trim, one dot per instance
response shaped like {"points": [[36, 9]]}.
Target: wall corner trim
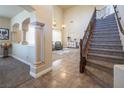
{"points": [[36, 75]]}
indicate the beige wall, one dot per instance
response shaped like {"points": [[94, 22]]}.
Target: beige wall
{"points": [[121, 13], [76, 20], [5, 23], [58, 16], [58, 19]]}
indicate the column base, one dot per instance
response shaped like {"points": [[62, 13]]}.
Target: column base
{"points": [[37, 71]]}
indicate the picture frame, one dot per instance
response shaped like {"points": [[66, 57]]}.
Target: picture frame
{"points": [[4, 34]]}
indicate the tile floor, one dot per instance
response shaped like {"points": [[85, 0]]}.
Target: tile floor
{"points": [[65, 73]]}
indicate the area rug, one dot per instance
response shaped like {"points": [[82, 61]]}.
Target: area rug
{"points": [[13, 72]]}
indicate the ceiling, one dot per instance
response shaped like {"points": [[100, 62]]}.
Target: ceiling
{"points": [[9, 10], [66, 6]]}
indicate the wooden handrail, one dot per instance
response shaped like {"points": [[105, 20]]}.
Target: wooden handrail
{"points": [[118, 19], [85, 42]]}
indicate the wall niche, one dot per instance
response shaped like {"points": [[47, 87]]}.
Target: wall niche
{"points": [[25, 29], [16, 34]]}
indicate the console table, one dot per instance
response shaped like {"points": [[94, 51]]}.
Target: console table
{"points": [[72, 44], [5, 48]]}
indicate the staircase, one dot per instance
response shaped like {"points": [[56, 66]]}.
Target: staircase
{"points": [[105, 51]]}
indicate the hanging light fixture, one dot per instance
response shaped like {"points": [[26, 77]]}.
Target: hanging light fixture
{"points": [[63, 26], [54, 24]]}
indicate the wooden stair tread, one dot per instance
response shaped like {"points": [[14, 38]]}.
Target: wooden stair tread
{"points": [[102, 77], [107, 56], [106, 36], [110, 50], [102, 63], [105, 44]]}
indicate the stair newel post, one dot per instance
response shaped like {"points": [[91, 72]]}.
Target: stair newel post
{"points": [[82, 58], [81, 61]]}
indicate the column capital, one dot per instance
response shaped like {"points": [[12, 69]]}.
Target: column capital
{"points": [[36, 23]]}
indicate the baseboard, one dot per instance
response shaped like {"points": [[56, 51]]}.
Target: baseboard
{"points": [[21, 60], [36, 75], [8, 54]]}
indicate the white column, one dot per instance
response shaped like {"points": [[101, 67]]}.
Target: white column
{"points": [[38, 39], [36, 66]]}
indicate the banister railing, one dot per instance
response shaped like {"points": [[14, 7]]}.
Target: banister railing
{"points": [[85, 42], [118, 19]]}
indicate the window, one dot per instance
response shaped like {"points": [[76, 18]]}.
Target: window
{"points": [[56, 36]]}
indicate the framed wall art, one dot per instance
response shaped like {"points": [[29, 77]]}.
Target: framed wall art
{"points": [[4, 34]]}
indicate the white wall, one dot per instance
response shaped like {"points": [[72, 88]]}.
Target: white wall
{"points": [[24, 53], [76, 20], [121, 13], [119, 76]]}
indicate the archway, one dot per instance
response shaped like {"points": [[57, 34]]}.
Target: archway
{"points": [[25, 28]]}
